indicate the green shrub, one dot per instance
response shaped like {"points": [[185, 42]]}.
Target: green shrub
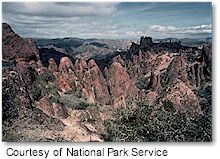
{"points": [[35, 92], [146, 123], [47, 76], [168, 106], [55, 99], [11, 137], [83, 105], [78, 93], [142, 84], [91, 120], [69, 92], [41, 87]]}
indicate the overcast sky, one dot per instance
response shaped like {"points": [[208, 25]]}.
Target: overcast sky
{"points": [[109, 20]]}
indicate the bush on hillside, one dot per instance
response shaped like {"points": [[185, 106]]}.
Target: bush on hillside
{"points": [[147, 123]]}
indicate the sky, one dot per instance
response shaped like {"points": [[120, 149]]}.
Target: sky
{"points": [[125, 20]]}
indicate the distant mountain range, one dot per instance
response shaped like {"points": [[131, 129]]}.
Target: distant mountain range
{"points": [[88, 48], [187, 41], [76, 46]]}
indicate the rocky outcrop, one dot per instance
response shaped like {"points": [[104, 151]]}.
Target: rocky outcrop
{"points": [[60, 111], [98, 83], [176, 69], [16, 101], [56, 110], [207, 54], [134, 47], [66, 75], [52, 67], [152, 97], [14, 47], [26, 71], [195, 74], [146, 42], [36, 93], [45, 106], [33, 46], [65, 65], [119, 59], [18, 113], [20, 117], [183, 99], [120, 84], [83, 77]]}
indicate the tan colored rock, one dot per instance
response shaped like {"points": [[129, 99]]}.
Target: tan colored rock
{"points": [[88, 95], [90, 128], [54, 110], [99, 84], [18, 110], [52, 65], [60, 111], [184, 100], [119, 59], [175, 68], [151, 97], [66, 77], [120, 83], [91, 82], [92, 63], [65, 65], [84, 65], [63, 83], [154, 82], [45, 106]]}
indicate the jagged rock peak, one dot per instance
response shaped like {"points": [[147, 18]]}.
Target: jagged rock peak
{"points": [[6, 27], [15, 47], [65, 64], [146, 42], [92, 63]]}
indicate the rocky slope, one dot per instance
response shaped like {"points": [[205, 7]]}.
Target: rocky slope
{"points": [[75, 95], [22, 121]]}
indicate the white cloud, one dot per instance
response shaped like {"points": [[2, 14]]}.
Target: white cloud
{"points": [[161, 28], [134, 33], [45, 9], [171, 31]]}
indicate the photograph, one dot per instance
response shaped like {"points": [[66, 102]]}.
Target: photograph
{"points": [[107, 72]]}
